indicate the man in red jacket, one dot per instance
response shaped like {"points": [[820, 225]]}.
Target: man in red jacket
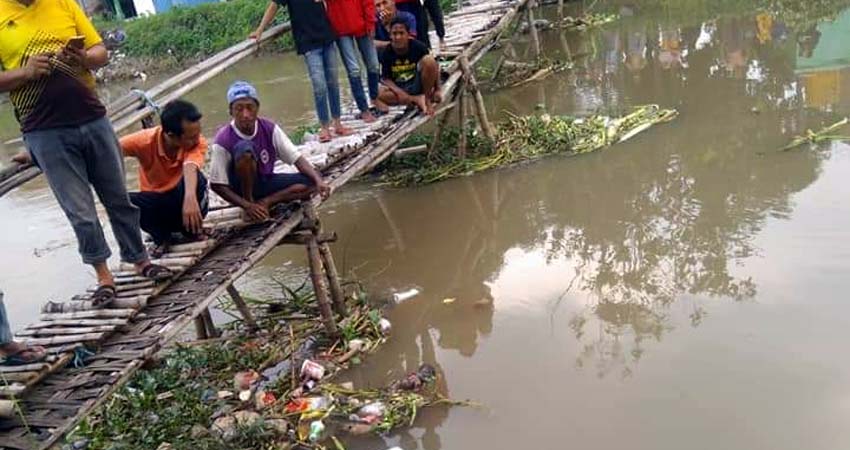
{"points": [[354, 23]]}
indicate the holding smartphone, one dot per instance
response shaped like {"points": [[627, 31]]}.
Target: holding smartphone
{"points": [[77, 42]]}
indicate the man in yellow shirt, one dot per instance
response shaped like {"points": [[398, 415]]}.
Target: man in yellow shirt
{"points": [[48, 49], [173, 191]]}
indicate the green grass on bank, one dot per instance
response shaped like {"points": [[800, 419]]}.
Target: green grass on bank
{"points": [[194, 32], [200, 31]]}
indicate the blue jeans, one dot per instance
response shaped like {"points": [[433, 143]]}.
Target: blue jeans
{"points": [[5, 328], [321, 65], [352, 64], [75, 159]]}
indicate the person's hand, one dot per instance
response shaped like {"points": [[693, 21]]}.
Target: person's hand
{"points": [[255, 35], [324, 189], [193, 221], [37, 66], [75, 56], [22, 157], [257, 212]]}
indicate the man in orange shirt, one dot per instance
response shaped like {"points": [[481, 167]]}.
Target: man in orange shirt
{"points": [[173, 191]]}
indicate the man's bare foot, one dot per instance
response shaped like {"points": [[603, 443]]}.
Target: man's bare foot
{"points": [[15, 353], [325, 134], [22, 157], [342, 130], [367, 116], [436, 96], [419, 101]]}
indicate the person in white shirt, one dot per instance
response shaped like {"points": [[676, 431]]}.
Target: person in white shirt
{"points": [[243, 155]]}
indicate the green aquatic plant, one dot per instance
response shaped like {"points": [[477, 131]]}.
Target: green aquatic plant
{"points": [[814, 137], [520, 139]]}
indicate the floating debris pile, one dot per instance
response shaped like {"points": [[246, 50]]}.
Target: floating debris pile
{"points": [[519, 139]]}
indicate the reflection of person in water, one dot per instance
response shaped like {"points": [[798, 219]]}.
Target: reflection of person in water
{"points": [[733, 43], [636, 51], [807, 42], [670, 53]]}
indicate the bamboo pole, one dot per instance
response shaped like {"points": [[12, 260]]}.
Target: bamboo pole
{"points": [[333, 279], [200, 328], [200, 245], [461, 117], [242, 307], [71, 339], [337, 296], [24, 368], [535, 38], [76, 322], [97, 313], [481, 110], [319, 287], [7, 409], [212, 331], [61, 331]]}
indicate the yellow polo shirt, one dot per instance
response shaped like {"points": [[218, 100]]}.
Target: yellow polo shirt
{"points": [[66, 97]]}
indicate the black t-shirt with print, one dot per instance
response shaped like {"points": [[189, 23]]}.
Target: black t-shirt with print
{"points": [[402, 68], [310, 25]]}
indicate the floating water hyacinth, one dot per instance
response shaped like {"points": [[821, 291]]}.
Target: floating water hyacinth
{"points": [[523, 138], [814, 137]]}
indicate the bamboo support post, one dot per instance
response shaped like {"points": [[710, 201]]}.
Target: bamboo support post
{"points": [[461, 115], [438, 132], [333, 279], [328, 265], [535, 37], [480, 109], [242, 307], [212, 331], [200, 328], [319, 286]]}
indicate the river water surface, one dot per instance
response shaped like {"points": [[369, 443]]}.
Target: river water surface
{"points": [[683, 290]]}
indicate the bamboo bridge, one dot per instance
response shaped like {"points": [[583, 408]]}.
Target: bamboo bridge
{"points": [[52, 397]]}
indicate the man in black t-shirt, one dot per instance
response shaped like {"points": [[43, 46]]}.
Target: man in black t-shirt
{"points": [[410, 75]]}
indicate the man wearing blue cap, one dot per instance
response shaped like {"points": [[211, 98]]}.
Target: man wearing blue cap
{"points": [[243, 156]]}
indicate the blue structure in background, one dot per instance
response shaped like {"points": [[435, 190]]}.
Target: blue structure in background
{"points": [[164, 5]]}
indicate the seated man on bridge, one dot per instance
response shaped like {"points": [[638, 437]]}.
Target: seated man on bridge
{"points": [[173, 197], [243, 157], [410, 75], [387, 12]]}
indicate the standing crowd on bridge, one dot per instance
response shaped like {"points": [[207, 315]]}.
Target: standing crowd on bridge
{"points": [[48, 51]]}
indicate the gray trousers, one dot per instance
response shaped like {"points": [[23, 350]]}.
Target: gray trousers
{"points": [[75, 158], [5, 328]]}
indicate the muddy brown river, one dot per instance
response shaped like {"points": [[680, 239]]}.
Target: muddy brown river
{"points": [[683, 290]]}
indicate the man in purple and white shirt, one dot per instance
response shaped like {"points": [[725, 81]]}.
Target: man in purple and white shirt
{"points": [[243, 156]]}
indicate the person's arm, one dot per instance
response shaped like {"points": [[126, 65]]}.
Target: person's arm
{"points": [[304, 166], [403, 97], [37, 67], [93, 54], [193, 220], [289, 154], [268, 16]]}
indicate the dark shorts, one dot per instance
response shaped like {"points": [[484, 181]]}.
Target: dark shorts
{"points": [[414, 86], [268, 185]]}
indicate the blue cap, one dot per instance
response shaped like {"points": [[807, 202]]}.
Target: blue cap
{"points": [[241, 89]]}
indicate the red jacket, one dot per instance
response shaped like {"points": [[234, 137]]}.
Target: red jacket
{"points": [[352, 17]]}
